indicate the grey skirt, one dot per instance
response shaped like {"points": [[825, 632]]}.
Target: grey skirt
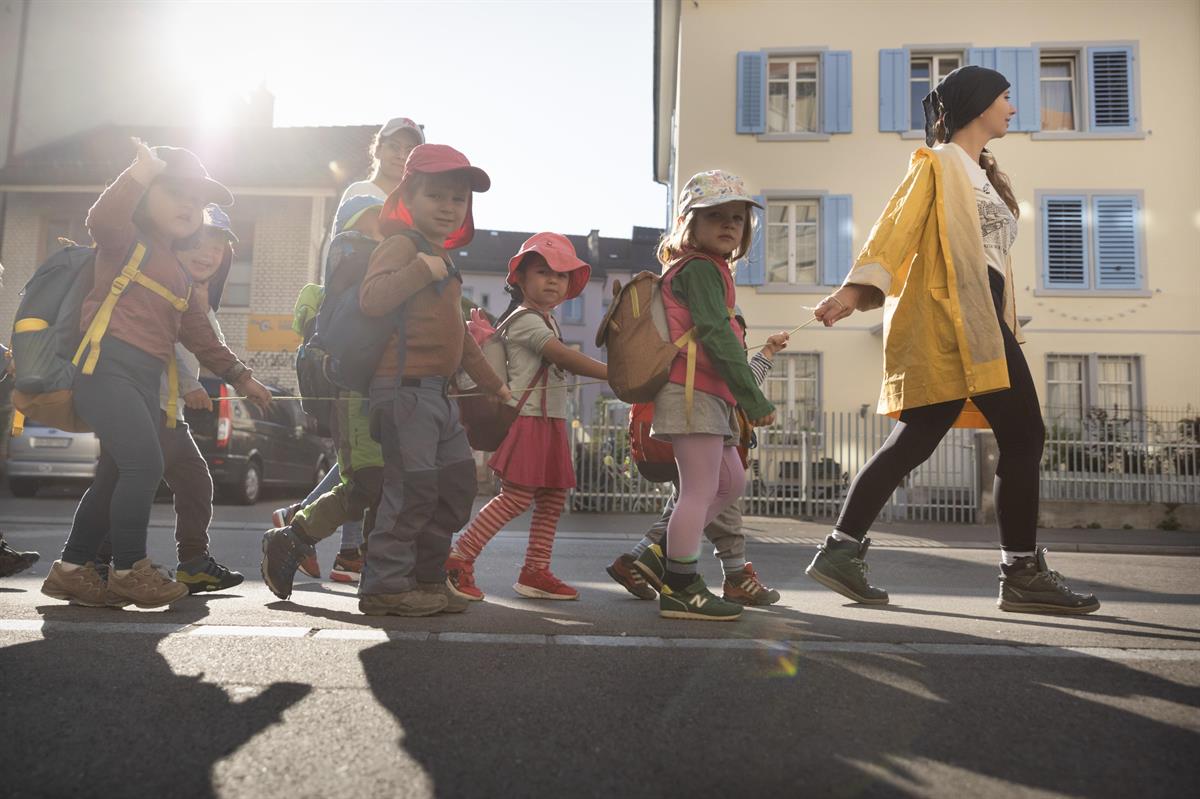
{"points": [[710, 414]]}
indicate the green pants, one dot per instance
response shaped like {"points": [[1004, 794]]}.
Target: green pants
{"points": [[360, 461]]}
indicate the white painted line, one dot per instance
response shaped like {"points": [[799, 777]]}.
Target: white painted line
{"points": [[864, 647], [22, 625], [249, 632], [351, 635], [966, 649], [611, 640], [493, 638], [719, 643]]}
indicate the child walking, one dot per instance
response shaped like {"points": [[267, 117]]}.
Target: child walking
{"points": [[640, 571], [152, 209], [534, 462], [695, 409], [429, 471]]}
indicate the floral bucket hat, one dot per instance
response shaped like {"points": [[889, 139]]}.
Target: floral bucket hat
{"points": [[714, 187]]}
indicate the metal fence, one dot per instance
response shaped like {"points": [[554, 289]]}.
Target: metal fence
{"points": [[801, 467], [1122, 456]]}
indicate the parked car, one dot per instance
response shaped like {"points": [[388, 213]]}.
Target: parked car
{"points": [[248, 449], [42, 455]]}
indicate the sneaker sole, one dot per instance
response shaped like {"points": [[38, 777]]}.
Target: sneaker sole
{"points": [[307, 573], [454, 590], [834, 585], [156, 604], [1037, 607], [688, 616], [652, 578], [55, 594], [408, 614], [262, 569], [613, 573], [344, 577], [537, 593], [749, 603], [201, 587]]}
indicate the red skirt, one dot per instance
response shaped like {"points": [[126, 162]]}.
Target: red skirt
{"points": [[536, 453]]}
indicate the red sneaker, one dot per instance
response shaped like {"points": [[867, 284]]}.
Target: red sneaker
{"points": [[460, 578], [311, 567], [542, 584], [347, 567]]}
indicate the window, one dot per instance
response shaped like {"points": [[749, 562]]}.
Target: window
{"points": [[793, 386], [469, 292], [926, 71], [572, 311], [1091, 241], [792, 95], [1060, 92], [241, 273], [792, 243], [1077, 384]]}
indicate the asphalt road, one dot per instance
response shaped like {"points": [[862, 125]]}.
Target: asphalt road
{"points": [[939, 694]]}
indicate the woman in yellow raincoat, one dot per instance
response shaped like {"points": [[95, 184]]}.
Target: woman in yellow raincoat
{"points": [[938, 262]]}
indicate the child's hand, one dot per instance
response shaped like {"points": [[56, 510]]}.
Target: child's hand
{"points": [[147, 163], [198, 400], [437, 266], [255, 391], [505, 394], [775, 343]]}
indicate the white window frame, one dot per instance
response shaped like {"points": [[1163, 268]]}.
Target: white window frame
{"points": [[1091, 381], [917, 123], [791, 202], [1079, 96], [784, 369], [791, 59]]}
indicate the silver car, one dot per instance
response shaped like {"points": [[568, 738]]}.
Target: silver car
{"points": [[43, 455]]}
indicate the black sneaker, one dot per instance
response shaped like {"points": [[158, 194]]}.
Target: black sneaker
{"points": [[13, 561], [282, 552], [1029, 586], [205, 574], [839, 566]]}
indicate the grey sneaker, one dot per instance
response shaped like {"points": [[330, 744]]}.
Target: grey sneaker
{"points": [[145, 586], [1029, 586], [82, 586], [839, 566], [454, 602], [406, 603]]}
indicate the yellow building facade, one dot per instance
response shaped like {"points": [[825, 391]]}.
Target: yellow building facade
{"points": [[816, 105]]}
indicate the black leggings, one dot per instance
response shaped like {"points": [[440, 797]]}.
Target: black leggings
{"points": [[1016, 418]]}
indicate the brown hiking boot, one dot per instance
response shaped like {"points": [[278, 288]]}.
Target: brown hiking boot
{"points": [[744, 588], [81, 586], [624, 573], [145, 586], [454, 602], [406, 603]]}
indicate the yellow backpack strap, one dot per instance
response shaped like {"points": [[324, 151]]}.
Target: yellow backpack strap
{"points": [[688, 340], [130, 273], [172, 391], [18, 422]]}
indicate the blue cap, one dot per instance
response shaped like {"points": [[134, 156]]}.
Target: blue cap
{"points": [[349, 211], [215, 216]]}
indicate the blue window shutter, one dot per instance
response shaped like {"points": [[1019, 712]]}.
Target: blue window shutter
{"points": [[1110, 78], [751, 92], [837, 238], [1064, 242], [1020, 66], [752, 270], [836, 91], [1115, 238], [893, 90], [982, 57]]}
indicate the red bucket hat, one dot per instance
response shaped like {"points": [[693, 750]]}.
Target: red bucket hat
{"points": [[559, 253], [433, 159]]}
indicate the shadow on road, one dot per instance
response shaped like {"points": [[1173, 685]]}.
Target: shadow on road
{"points": [[110, 717]]}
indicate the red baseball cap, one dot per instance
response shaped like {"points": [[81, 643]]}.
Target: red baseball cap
{"points": [[433, 159], [559, 253]]}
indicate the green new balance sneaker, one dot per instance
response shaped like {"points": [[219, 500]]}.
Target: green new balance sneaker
{"points": [[1030, 586], [696, 602], [653, 565], [839, 566], [205, 574]]}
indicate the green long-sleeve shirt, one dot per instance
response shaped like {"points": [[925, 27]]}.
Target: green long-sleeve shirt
{"points": [[699, 286]]}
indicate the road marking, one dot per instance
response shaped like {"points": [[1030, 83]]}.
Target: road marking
{"points": [[26, 628]]}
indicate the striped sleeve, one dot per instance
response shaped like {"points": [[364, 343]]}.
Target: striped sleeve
{"points": [[760, 365]]}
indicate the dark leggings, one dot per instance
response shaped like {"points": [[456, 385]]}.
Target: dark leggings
{"points": [[120, 402], [1016, 418]]}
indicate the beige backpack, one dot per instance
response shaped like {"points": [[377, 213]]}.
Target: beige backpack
{"points": [[635, 333]]}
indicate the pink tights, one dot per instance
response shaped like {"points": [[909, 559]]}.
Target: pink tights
{"points": [[711, 478]]}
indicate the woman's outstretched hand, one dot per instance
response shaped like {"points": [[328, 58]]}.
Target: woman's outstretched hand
{"points": [[839, 304]]}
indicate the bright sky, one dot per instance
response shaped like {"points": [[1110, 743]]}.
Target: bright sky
{"points": [[553, 99]]}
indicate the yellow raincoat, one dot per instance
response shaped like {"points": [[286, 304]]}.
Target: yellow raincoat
{"points": [[940, 337]]}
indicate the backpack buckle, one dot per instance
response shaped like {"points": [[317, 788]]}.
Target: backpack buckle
{"points": [[119, 284]]}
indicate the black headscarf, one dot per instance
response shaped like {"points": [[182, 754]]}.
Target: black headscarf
{"points": [[961, 96]]}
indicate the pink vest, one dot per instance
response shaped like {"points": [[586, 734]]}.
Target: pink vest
{"points": [[679, 321]]}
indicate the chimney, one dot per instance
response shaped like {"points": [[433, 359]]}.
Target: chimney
{"points": [[593, 247], [257, 109]]}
